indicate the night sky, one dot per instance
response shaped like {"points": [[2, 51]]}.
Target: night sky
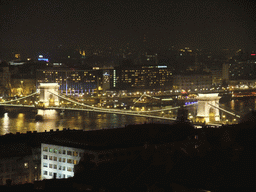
{"points": [[29, 26]]}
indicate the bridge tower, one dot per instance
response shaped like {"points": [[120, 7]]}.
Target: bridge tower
{"points": [[206, 111], [46, 96]]}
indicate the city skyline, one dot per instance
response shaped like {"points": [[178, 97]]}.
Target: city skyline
{"points": [[42, 25]]}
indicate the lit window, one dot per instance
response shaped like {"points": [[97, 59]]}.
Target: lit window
{"points": [[60, 159], [45, 149], [50, 165], [50, 150], [69, 161], [25, 165], [64, 160], [55, 158], [55, 151], [75, 153], [69, 153], [69, 169], [75, 162]]}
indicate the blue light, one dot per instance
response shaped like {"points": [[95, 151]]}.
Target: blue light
{"points": [[43, 59]]}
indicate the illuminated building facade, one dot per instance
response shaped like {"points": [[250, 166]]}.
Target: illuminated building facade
{"points": [[72, 81], [242, 70], [59, 160], [5, 78], [20, 163], [192, 81], [143, 77]]}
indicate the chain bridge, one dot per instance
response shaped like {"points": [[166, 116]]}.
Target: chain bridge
{"points": [[48, 98]]}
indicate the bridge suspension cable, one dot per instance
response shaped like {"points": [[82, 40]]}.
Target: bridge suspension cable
{"points": [[114, 110], [225, 111], [231, 110], [19, 98]]}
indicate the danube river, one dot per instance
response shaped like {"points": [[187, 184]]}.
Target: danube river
{"points": [[23, 122]]}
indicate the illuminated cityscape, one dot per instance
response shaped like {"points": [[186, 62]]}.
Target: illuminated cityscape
{"points": [[120, 96]]}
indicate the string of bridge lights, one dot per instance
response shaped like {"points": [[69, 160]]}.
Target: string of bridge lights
{"points": [[19, 98], [117, 110]]}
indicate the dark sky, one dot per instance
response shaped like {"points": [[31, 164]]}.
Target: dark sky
{"points": [[44, 24]]}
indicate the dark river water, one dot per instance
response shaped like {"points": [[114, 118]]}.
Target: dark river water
{"points": [[23, 122]]}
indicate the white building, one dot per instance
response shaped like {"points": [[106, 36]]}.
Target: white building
{"points": [[59, 160], [192, 81]]}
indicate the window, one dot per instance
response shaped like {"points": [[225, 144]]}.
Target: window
{"points": [[50, 165], [60, 151], [75, 153], [60, 159], [69, 161], [51, 150], [45, 165], [63, 168], [25, 165], [55, 158], [50, 173], [45, 149], [55, 166], [59, 176], [45, 172], [68, 176], [69, 153], [45, 157], [50, 158], [69, 169], [55, 151], [64, 152], [64, 160], [64, 175], [75, 162], [60, 167]]}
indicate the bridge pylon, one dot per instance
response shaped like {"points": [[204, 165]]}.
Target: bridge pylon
{"points": [[46, 96], [204, 110]]}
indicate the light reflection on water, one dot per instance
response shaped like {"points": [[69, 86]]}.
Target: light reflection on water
{"points": [[23, 122]]}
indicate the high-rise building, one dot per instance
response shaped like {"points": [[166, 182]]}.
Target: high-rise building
{"points": [[143, 77], [72, 81], [225, 71], [192, 81]]}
